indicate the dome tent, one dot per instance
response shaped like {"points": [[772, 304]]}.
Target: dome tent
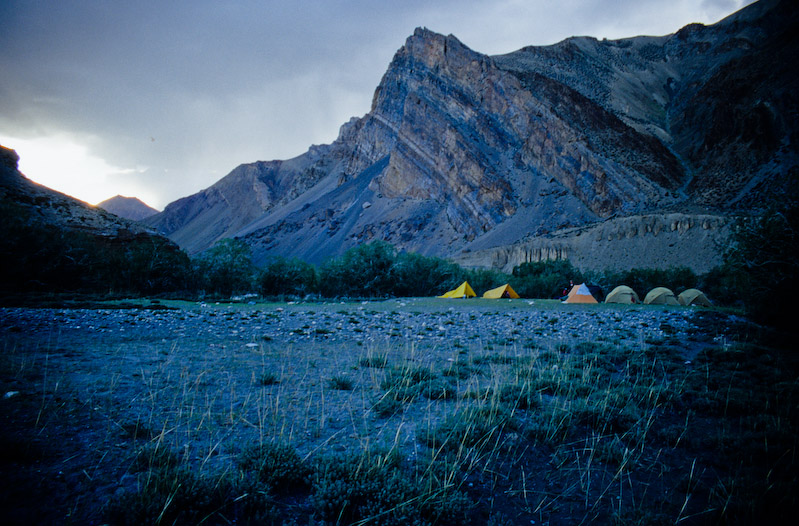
{"points": [[580, 294], [622, 294], [661, 296], [693, 297]]}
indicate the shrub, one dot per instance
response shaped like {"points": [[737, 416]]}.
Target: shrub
{"points": [[377, 361], [268, 379], [278, 466], [377, 489], [41, 257], [470, 428], [342, 383], [169, 493]]}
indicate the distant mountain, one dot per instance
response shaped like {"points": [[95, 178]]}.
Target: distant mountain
{"points": [[623, 153], [53, 242], [128, 207]]}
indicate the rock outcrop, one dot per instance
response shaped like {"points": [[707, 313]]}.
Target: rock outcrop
{"points": [[462, 153]]}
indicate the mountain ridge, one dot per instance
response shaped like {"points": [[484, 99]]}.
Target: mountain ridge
{"points": [[463, 152]]}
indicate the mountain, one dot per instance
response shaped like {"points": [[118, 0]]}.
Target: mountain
{"points": [[128, 207], [53, 242], [632, 152]]}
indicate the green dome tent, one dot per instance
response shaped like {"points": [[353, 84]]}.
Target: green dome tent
{"points": [[693, 297], [622, 294], [661, 296]]}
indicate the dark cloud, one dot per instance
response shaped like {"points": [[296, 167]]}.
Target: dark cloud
{"points": [[187, 90]]}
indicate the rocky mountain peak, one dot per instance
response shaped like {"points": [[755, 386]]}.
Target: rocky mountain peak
{"points": [[128, 207], [463, 152]]}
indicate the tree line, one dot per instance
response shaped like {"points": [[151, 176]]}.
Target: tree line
{"points": [[759, 271]]}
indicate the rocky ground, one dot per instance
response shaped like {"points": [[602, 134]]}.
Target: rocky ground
{"points": [[86, 389]]}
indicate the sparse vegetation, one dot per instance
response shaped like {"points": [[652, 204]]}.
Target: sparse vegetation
{"points": [[697, 408]]}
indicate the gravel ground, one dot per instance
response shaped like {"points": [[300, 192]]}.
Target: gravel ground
{"points": [[85, 389]]}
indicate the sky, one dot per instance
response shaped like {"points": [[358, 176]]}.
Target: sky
{"points": [[161, 99]]}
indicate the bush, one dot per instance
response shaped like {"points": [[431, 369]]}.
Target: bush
{"points": [[170, 495], [378, 490], [482, 280], [725, 285], [40, 257], [277, 466]]}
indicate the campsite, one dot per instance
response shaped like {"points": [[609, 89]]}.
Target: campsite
{"points": [[444, 411]]}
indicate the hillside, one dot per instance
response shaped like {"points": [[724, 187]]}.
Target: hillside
{"points": [[53, 242], [499, 160]]}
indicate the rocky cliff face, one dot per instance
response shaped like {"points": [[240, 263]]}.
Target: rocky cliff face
{"points": [[464, 153], [642, 241]]}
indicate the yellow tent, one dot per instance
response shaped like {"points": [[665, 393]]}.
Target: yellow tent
{"points": [[464, 291], [505, 291], [580, 294], [693, 297], [622, 294], [661, 296]]}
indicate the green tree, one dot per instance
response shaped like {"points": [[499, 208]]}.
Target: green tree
{"points": [[482, 280], [544, 279], [289, 277], [416, 275], [361, 271], [226, 268]]}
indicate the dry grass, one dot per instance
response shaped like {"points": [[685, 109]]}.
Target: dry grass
{"points": [[644, 427]]}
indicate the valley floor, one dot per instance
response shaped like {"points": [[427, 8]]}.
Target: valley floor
{"points": [[444, 411]]}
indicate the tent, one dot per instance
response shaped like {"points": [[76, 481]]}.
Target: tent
{"points": [[464, 291], [693, 297], [661, 296], [505, 291], [580, 294], [622, 294]]}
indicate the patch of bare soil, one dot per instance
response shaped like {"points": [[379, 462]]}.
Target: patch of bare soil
{"points": [[511, 412]]}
